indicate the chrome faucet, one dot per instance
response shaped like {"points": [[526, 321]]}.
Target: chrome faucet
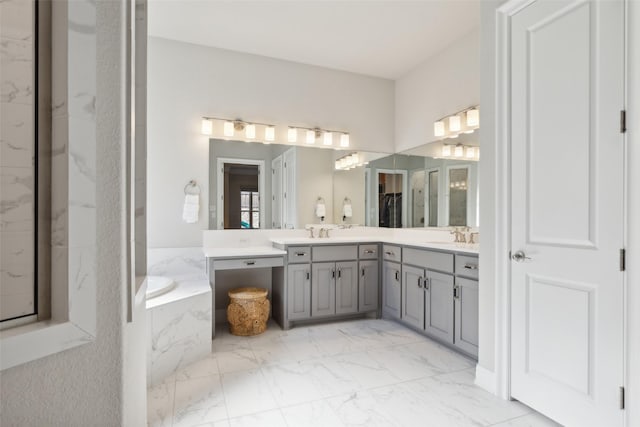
{"points": [[472, 237], [324, 233], [459, 236], [310, 232]]}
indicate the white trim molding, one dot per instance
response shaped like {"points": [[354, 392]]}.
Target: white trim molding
{"points": [[73, 251]]}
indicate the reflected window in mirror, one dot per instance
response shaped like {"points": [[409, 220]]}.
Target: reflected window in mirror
{"points": [[458, 193], [249, 209]]}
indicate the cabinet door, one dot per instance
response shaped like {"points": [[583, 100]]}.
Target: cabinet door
{"points": [[368, 288], [323, 288], [413, 296], [346, 287], [438, 314], [466, 315], [298, 291], [391, 289]]}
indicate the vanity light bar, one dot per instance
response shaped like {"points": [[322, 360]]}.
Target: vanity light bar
{"points": [[230, 127], [464, 121], [461, 152], [350, 161]]}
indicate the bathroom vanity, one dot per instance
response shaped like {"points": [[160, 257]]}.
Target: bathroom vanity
{"points": [[430, 289], [429, 285]]}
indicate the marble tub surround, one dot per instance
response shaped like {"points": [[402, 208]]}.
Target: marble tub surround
{"points": [[179, 329], [364, 372], [179, 322]]}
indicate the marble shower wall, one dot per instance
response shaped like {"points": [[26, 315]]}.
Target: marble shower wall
{"points": [[17, 170]]}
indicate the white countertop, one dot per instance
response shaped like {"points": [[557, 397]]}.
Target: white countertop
{"points": [[250, 251], [448, 246]]}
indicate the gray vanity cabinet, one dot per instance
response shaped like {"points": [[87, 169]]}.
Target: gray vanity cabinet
{"points": [[323, 289], [438, 313], [391, 289], [334, 288], [466, 309], [368, 285], [413, 297], [299, 291], [346, 287]]}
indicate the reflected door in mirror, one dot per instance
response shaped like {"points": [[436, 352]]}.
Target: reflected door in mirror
{"points": [[241, 196]]}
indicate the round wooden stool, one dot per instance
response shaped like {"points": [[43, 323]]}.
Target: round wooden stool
{"points": [[248, 311]]}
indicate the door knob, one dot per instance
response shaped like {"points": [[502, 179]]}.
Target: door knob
{"points": [[519, 256]]}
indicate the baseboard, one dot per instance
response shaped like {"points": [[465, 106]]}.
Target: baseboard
{"points": [[486, 379]]}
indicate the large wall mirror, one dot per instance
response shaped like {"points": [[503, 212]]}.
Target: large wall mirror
{"points": [[254, 185]]}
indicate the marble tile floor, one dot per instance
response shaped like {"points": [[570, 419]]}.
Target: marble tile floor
{"points": [[354, 373]]}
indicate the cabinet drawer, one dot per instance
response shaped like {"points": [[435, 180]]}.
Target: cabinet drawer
{"points": [[235, 264], [467, 266], [334, 253], [368, 251], [297, 254], [392, 253], [429, 259]]}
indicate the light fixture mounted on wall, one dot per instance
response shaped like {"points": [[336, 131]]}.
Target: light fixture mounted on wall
{"points": [[350, 161], [464, 121], [461, 152], [232, 126]]}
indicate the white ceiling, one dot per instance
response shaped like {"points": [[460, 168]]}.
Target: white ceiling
{"points": [[378, 38]]}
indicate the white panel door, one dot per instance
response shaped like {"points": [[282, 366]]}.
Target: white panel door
{"points": [[567, 210], [276, 192], [289, 189]]}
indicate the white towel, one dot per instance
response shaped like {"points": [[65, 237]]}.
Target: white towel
{"points": [[321, 210], [191, 208], [347, 210]]}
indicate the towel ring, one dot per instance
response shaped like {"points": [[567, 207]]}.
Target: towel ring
{"points": [[192, 187]]}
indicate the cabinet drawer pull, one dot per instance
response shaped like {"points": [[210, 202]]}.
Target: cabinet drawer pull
{"points": [[390, 253], [369, 252], [250, 262], [301, 253], [471, 266]]}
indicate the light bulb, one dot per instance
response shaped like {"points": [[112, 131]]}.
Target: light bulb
{"points": [[473, 118], [250, 131], [270, 133], [344, 140], [228, 128], [438, 128], [471, 152], [454, 123], [446, 150], [292, 135], [207, 127], [311, 136], [328, 138]]}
